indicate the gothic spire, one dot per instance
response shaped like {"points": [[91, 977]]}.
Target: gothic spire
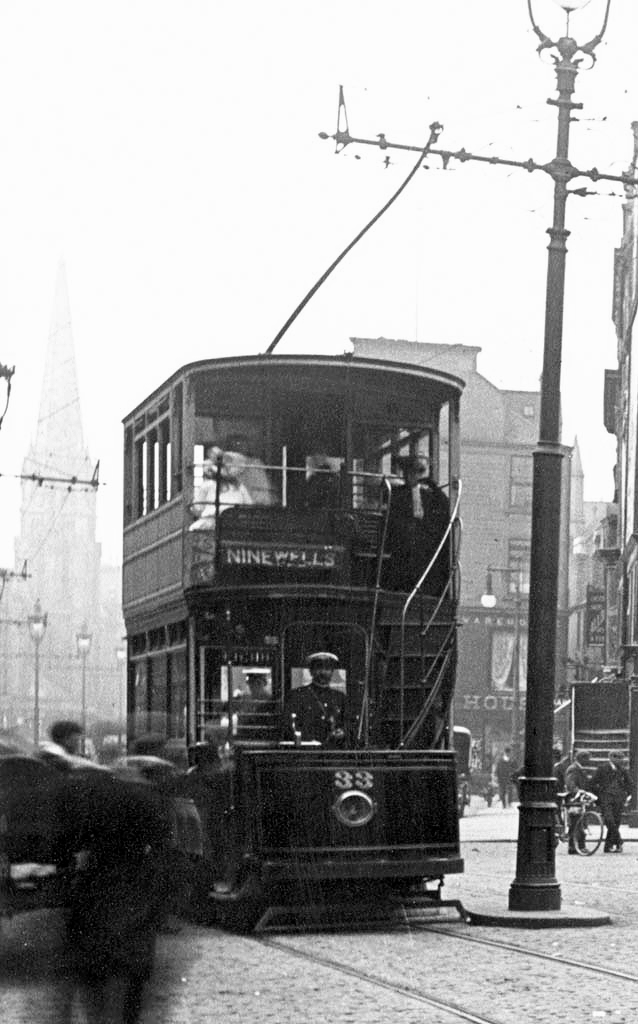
{"points": [[59, 443]]}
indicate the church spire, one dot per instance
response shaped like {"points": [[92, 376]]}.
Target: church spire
{"points": [[59, 443]]}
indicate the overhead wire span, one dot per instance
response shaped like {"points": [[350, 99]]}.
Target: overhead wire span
{"points": [[435, 131]]}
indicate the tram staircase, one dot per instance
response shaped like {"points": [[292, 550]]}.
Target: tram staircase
{"points": [[417, 640]]}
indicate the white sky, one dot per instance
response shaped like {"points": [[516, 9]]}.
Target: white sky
{"points": [[168, 150]]}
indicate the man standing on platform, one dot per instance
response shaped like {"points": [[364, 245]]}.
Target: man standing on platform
{"points": [[317, 711]]}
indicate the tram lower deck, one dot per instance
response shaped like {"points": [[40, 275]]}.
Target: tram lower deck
{"points": [[331, 524]]}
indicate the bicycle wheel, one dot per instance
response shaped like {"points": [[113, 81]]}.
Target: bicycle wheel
{"points": [[590, 828]]}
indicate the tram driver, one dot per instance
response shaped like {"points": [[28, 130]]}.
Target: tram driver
{"points": [[317, 711]]}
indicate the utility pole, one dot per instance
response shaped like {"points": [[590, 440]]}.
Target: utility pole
{"points": [[535, 887]]}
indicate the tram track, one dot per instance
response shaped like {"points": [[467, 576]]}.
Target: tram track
{"points": [[406, 991], [497, 961], [526, 951]]}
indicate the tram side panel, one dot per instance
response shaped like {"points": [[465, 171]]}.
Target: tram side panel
{"points": [[349, 814]]}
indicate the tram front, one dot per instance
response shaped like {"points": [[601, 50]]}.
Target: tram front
{"points": [[312, 509]]}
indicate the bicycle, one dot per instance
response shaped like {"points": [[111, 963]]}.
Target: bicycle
{"points": [[577, 823]]}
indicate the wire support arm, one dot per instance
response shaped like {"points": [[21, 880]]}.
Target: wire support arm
{"points": [[564, 170]]}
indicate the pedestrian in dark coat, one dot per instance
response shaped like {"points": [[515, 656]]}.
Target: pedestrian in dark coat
{"points": [[209, 783], [578, 773], [612, 785], [503, 772], [561, 765], [120, 838], [419, 517]]}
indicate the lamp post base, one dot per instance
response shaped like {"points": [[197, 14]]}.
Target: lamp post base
{"points": [[536, 886]]}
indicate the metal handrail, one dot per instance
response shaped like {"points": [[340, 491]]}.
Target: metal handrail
{"points": [[415, 590], [363, 720]]}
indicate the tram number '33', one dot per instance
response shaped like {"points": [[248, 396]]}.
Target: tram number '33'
{"points": [[344, 779]]}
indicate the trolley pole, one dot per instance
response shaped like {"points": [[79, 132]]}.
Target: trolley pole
{"points": [[535, 886]]}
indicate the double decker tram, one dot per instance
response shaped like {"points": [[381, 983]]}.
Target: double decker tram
{"points": [[269, 513]]}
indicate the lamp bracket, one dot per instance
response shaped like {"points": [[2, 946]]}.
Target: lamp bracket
{"points": [[566, 46]]}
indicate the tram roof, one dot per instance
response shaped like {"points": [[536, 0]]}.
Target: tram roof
{"points": [[447, 382]]}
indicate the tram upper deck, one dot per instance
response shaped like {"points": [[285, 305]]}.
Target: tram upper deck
{"points": [[267, 471]]}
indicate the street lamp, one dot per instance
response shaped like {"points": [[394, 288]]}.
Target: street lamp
{"points": [[37, 628], [488, 600], [83, 640], [535, 886]]}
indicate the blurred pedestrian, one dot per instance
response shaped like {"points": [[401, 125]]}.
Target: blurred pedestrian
{"points": [[503, 770], [612, 785], [119, 837], [209, 783], [579, 772], [64, 744], [561, 764]]}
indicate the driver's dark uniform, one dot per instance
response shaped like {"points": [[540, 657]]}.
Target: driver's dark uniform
{"points": [[319, 711]]}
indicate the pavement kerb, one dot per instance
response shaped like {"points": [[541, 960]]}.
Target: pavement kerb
{"points": [[492, 913]]}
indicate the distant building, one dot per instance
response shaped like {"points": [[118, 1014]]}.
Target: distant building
{"points": [[57, 542], [499, 431]]}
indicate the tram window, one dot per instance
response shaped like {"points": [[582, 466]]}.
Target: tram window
{"points": [[441, 465], [251, 684], [213, 676], [176, 448], [246, 477], [140, 477], [375, 449], [300, 676], [128, 475], [147, 465]]}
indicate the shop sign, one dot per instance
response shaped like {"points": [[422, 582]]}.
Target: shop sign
{"points": [[490, 701], [595, 617]]}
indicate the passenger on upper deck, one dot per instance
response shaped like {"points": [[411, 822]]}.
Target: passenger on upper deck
{"points": [[232, 490], [419, 517], [317, 711], [322, 482], [254, 476]]}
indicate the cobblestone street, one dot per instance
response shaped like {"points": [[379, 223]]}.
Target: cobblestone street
{"points": [[440, 972]]}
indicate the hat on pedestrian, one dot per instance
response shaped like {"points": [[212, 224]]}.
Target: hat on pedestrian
{"points": [[325, 656], [63, 730]]}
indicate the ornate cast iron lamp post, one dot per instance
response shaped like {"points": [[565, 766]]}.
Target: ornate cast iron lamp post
{"points": [[83, 640], [535, 886], [37, 628]]}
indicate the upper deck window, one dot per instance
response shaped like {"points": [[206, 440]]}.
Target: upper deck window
{"points": [[152, 460]]}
